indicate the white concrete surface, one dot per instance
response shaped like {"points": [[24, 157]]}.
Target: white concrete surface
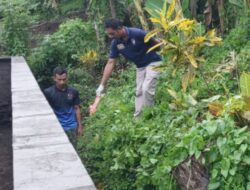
{"points": [[43, 157]]}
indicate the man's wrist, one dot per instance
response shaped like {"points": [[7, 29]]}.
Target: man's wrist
{"points": [[100, 90]]}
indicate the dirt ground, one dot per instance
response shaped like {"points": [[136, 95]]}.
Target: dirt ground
{"points": [[6, 165]]}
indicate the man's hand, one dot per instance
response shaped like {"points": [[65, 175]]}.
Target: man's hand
{"points": [[92, 108], [79, 130], [99, 90]]}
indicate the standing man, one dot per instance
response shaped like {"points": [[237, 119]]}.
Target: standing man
{"points": [[130, 43], [65, 102]]}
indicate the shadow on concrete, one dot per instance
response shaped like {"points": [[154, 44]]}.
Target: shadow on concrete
{"points": [[6, 157]]}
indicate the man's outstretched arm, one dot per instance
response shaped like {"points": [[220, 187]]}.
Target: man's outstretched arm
{"points": [[106, 75]]}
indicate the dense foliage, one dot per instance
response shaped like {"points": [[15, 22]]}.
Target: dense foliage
{"points": [[143, 153], [63, 47], [207, 124], [15, 33]]}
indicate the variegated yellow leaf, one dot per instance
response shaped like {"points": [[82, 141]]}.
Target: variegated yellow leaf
{"points": [[188, 77], [164, 22], [165, 26], [215, 108], [178, 16], [171, 9], [174, 23], [88, 57], [172, 93], [178, 19], [159, 68], [211, 33], [155, 20], [215, 40], [184, 82], [166, 48], [151, 34], [191, 59], [174, 58], [173, 46], [155, 46], [245, 84], [197, 40], [211, 38], [186, 24]]}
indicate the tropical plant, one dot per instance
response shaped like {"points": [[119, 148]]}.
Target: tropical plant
{"points": [[237, 105], [89, 59], [181, 40]]}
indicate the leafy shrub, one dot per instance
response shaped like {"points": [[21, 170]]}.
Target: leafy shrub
{"points": [[15, 31], [64, 47], [83, 81], [234, 40]]}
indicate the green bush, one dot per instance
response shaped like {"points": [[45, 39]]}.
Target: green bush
{"points": [[15, 31], [83, 81], [64, 47], [234, 40]]}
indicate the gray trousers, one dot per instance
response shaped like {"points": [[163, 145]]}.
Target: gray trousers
{"points": [[146, 78]]}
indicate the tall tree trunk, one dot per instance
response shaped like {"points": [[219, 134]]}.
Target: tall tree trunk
{"points": [[247, 2], [112, 8], [221, 11], [100, 42], [86, 5], [193, 7], [141, 15], [208, 13]]}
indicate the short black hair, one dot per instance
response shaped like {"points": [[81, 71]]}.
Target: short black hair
{"points": [[59, 71], [113, 23]]}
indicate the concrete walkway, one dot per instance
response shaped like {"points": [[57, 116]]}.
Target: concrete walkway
{"points": [[43, 157]]}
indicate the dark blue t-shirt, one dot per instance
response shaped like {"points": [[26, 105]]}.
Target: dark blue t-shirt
{"points": [[134, 48], [63, 102]]}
